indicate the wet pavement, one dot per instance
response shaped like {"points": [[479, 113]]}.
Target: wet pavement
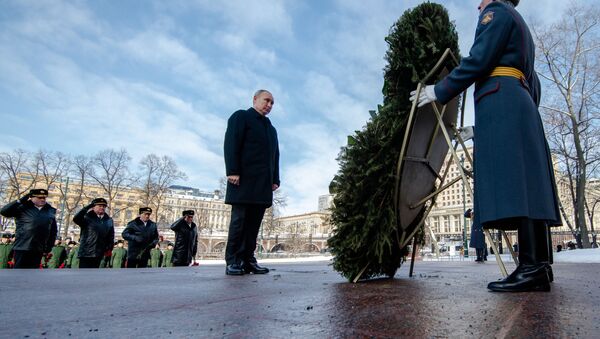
{"points": [[299, 300]]}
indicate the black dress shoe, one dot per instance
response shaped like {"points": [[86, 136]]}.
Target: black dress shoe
{"points": [[252, 267], [234, 269], [525, 278]]}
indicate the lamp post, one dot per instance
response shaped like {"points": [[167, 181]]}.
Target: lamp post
{"points": [[464, 199], [62, 206]]}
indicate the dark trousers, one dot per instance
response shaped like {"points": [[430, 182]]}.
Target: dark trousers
{"points": [[479, 252], [137, 263], [534, 242], [27, 259], [243, 230], [180, 264], [90, 262]]}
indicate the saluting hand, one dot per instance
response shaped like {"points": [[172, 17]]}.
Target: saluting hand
{"points": [[234, 179]]}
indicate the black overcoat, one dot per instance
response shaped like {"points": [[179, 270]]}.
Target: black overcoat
{"points": [[140, 238], [186, 242], [97, 235], [35, 228], [252, 152]]}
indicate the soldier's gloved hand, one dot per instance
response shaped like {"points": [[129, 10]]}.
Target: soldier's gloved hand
{"points": [[466, 133], [24, 198], [426, 96]]}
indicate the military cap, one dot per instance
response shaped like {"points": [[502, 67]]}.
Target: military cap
{"points": [[514, 2], [99, 201], [72, 242], [6, 235], [120, 241], [188, 212], [468, 213], [38, 192], [59, 238], [170, 244], [145, 210]]}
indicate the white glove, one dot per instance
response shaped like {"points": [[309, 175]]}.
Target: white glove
{"points": [[426, 96], [466, 133]]}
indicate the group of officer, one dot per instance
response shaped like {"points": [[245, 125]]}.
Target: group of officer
{"points": [[36, 243]]}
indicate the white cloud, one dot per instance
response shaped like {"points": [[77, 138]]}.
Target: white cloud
{"points": [[308, 176], [344, 111], [168, 82]]}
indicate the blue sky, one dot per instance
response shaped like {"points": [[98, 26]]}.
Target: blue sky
{"points": [[163, 77]]}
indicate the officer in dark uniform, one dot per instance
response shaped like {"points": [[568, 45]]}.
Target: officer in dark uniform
{"points": [[252, 166], [186, 239], [514, 179], [36, 227], [97, 233], [477, 240], [141, 235]]}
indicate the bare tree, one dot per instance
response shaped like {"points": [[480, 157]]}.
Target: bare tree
{"points": [[14, 165], [53, 169], [80, 168], [591, 203], [158, 174], [222, 186], [271, 226], [52, 166], [111, 171], [569, 66]]}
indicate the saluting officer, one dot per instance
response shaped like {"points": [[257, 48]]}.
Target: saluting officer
{"points": [[97, 233], [141, 235], [186, 239], [36, 227], [514, 179]]}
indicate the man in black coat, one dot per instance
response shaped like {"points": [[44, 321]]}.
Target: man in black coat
{"points": [[252, 167], [36, 227], [186, 240], [97, 233], [141, 235]]}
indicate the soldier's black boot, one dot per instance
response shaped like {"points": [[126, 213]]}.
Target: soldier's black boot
{"points": [[531, 274], [544, 246], [479, 251]]}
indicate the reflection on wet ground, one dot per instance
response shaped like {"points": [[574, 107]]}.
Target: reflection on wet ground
{"points": [[297, 300]]}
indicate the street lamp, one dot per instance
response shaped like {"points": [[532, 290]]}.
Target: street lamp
{"points": [[464, 199]]}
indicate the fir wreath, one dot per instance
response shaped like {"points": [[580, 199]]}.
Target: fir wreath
{"points": [[365, 237]]}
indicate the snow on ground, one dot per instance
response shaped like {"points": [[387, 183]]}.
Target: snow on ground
{"points": [[273, 260], [588, 255]]}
